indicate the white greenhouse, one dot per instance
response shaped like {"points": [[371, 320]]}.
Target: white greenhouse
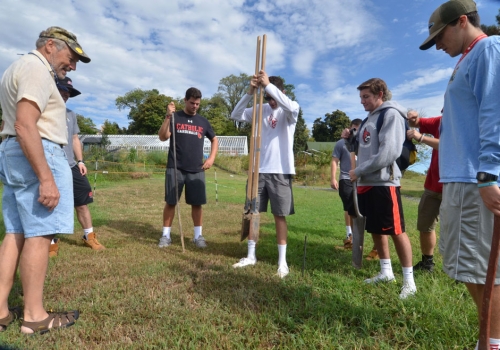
{"points": [[231, 145]]}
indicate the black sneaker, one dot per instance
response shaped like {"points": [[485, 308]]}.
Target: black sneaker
{"points": [[424, 266]]}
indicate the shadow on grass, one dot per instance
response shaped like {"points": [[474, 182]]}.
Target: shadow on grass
{"points": [[290, 306]]}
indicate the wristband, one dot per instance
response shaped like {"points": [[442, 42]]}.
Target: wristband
{"points": [[421, 138], [168, 116], [487, 184]]}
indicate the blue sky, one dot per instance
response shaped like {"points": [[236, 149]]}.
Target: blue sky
{"points": [[325, 48]]}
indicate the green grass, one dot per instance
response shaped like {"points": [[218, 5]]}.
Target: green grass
{"points": [[137, 296]]}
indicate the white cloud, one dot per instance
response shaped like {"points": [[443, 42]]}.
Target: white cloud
{"points": [[324, 48], [422, 79]]}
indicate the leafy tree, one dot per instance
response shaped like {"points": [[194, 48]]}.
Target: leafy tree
{"points": [[215, 110], [330, 129], [110, 128], [231, 89], [147, 110], [149, 115], [301, 134], [132, 100], [86, 125], [493, 29]]}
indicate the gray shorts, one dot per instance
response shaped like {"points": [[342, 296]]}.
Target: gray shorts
{"points": [[277, 189], [428, 211], [194, 183], [466, 233]]}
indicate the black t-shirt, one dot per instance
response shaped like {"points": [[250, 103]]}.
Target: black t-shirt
{"points": [[190, 132]]}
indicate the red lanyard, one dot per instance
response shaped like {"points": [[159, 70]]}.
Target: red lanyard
{"points": [[471, 46]]}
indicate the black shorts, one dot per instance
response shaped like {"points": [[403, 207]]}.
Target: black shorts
{"points": [[195, 187], [82, 191], [381, 205], [345, 193]]}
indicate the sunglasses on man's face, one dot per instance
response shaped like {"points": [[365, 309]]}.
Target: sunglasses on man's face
{"points": [[268, 97]]}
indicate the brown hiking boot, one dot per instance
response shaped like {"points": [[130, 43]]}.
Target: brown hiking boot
{"points": [[348, 243], [92, 242], [373, 255], [54, 248]]}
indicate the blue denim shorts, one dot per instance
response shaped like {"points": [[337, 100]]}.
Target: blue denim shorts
{"points": [[22, 213]]}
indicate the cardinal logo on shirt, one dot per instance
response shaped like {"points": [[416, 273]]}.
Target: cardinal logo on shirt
{"points": [[273, 121], [366, 136]]}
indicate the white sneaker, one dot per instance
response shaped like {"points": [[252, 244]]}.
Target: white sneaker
{"points": [[164, 242], [283, 271], [380, 278], [245, 262], [200, 242], [408, 290]]}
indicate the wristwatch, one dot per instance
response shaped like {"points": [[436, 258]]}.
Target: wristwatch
{"points": [[80, 161], [486, 177]]}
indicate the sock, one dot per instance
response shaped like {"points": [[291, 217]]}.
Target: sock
{"points": [[348, 231], [282, 255], [494, 344], [86, 231], [408, 275], [166, 232], [251, 250], [386, 267], [53, 241], [197, 232]]}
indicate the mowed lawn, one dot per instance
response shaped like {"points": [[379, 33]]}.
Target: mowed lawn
{"points": [[137, 296]]}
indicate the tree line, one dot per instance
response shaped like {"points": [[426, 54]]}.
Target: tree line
{"points": [[147, 111]]}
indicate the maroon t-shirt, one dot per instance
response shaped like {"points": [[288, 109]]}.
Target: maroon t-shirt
{"points": [[431, 126]]}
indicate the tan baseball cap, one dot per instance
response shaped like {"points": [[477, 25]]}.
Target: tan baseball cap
{"points": [[69, 38], [444, 15]]}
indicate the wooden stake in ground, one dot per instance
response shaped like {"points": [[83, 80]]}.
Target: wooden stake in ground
{"points": [[484, 325], [177, 184], [250, 225]]}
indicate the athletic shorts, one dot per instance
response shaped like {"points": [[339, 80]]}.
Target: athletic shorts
{"points": [[466, 233], [277, 189], [82, 192], [345, 193], [428, 211], [381, 205], [194, 183], [22, 213]]}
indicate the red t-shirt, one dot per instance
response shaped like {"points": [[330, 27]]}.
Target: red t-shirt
{"points": [[431, 126]]}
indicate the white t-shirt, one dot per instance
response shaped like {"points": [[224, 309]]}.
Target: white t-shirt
{"points": [[278, 129], [31, 77]]}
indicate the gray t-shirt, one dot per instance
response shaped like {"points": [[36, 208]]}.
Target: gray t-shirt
{"points": [[340, 151], [73, 129]]}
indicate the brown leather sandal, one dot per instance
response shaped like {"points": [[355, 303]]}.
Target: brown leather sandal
{"points": [[61, 320], [14, 314]]}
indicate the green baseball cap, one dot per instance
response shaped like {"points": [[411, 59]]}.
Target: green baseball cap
{"points": [[69, 38], [444, 15]]}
